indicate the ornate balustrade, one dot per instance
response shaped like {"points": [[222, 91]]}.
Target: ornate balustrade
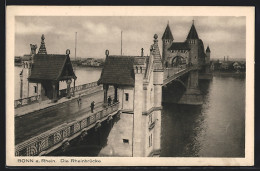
{"points": [[26, 101], [63, 92], [56, 137]]}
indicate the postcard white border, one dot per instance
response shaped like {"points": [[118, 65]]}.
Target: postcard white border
{"points": [[249, 12]]}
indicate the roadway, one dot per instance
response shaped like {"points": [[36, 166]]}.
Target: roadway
{"points": [[173, 73], [28, 126]]}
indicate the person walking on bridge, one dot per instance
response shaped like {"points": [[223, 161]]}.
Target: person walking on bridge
{"points": [[79, 99], [92, 106], [109, 100]]}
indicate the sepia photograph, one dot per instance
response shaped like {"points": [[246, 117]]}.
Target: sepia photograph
{"points": [[119, 86]]}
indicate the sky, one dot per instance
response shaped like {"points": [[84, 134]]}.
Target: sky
{"points": [[226, 36]]}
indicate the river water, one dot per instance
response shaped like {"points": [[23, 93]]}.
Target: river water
{"points": [[215, 129]]}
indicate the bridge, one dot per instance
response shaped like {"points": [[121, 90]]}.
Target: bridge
{"points": [[171, 74], [136, 84], [45, 130]]}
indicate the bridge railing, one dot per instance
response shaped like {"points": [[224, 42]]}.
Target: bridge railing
{"points": [[26, 101], [171, 73], [59, 135], [63, 92], [174, 70]]}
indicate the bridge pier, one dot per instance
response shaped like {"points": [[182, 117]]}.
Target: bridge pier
{"points": [[192, 95]]}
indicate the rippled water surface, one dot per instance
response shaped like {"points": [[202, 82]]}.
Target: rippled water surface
{"points": [[216, 129]]}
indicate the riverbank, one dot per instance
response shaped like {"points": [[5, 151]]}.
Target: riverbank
{"points": [[229, 74]]}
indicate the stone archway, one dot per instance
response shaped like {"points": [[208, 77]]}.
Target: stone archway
{"points": [[177, 60]]}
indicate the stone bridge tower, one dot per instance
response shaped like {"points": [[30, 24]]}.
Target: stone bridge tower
{"points": [[157, 82], [138, 131], [193, 44], [167, 40]]}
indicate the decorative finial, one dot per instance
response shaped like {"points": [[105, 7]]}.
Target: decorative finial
{"points": [[107, 52], [155, 38], [33, 49], [168, 22], [42, 49], [67, 52], [142, 52], [193, 21], [42, 37]]}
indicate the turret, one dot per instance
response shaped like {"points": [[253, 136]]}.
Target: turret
{"points": [[167, 40], [193, 41]]}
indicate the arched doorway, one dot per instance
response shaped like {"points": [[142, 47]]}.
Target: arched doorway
{"points": [[178, 60]]}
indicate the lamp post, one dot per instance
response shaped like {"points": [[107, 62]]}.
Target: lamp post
{"points": [[21, 86]]}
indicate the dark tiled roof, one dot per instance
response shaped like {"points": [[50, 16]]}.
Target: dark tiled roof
{"points": [[167, 33], [208, 50], [193, 33], [179, 46], [118, 70], [50, 67]]}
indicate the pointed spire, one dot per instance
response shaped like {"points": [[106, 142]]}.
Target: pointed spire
{"points": [[167, 33], [155, 52], [208, 50], [42, 49], [193, 33]]}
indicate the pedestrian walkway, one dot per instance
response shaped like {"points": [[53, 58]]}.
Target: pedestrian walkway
{"points": [[35, 123], [48, 103], [37, 128]]}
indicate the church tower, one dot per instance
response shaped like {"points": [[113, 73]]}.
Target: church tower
{"points": [[193, 44], [167, 40]]}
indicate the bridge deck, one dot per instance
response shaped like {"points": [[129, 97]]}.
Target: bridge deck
{"points": [[171, 74], [28, 126]]}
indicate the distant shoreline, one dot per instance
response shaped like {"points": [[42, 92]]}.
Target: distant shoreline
{"points": [[229, 74], [78, 66]]}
